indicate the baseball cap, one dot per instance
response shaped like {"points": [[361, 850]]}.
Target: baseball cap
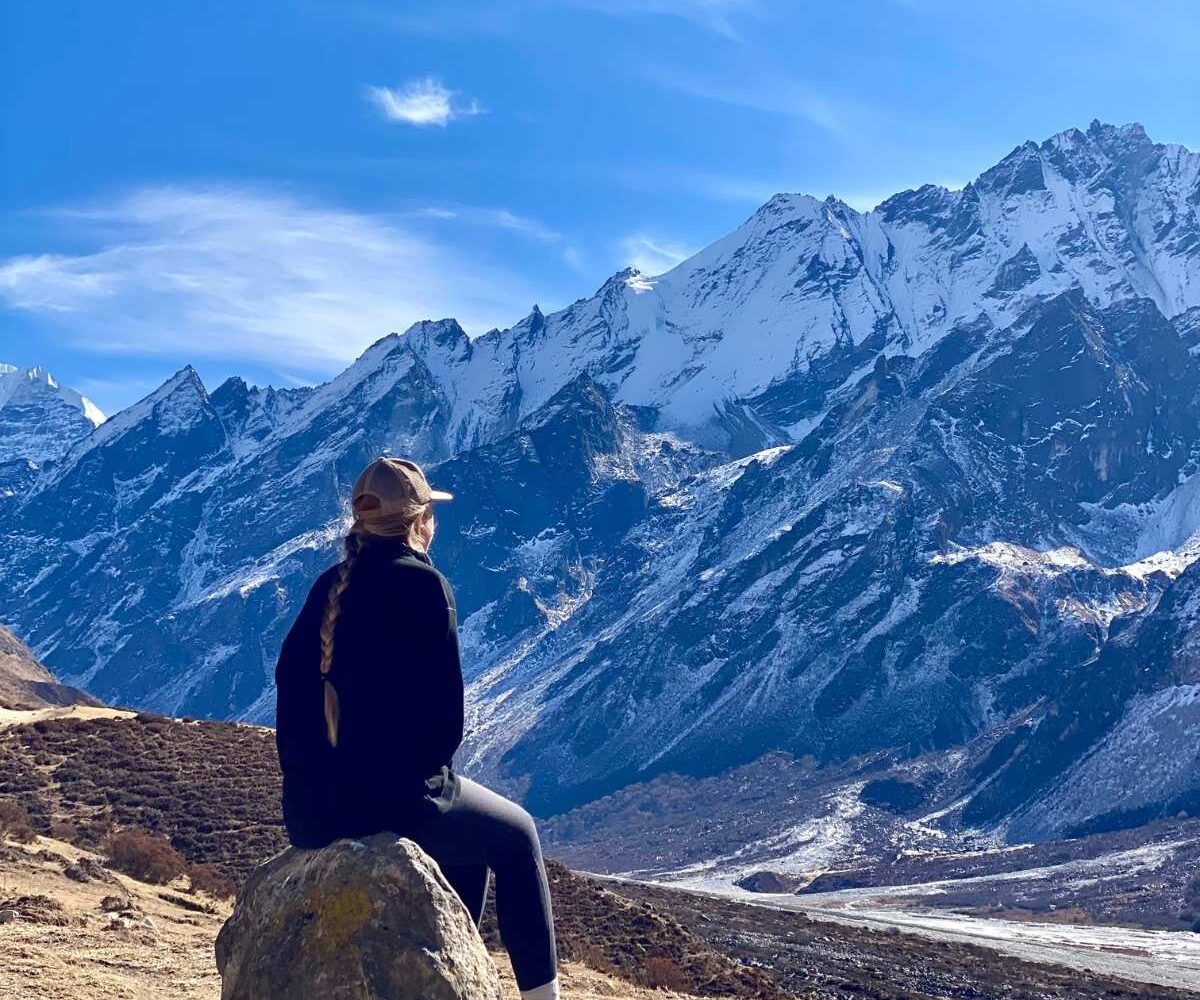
{"points": [[395, 483]]}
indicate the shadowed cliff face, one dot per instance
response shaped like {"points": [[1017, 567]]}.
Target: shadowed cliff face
{"points": [[839, 484], [861, 591]]}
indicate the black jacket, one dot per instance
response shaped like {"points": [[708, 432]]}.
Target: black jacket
{"points": [[399, 684]]}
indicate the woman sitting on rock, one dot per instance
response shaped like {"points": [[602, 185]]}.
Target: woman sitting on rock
{"points": [[370, 713]]}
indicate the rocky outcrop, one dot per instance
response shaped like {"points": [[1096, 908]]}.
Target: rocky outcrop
{"points": [[358, 920]]}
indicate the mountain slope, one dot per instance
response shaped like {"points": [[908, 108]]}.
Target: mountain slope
{"points": [[26, 684], [789, 601], [841, 484], [39, 420]]}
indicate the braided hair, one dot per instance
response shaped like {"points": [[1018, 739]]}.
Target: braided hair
{"points": [[333, 608]]}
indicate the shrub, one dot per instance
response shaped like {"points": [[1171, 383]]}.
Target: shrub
{"points": [[211, 880], [65, 830], [14, 822], [662, 973], [593, 956], [95, 830], [145, 856]]}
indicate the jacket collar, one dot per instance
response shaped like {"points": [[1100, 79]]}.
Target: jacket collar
{"points": [[395, 548]]}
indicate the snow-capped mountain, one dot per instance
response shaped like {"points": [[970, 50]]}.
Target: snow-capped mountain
{"points": [[39, 420], [841, 484]]}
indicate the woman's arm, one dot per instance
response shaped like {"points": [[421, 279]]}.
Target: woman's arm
{"points": [[298, 677], [448, 709]]}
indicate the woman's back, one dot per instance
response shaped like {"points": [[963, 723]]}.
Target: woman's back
{"points": [[370, 713], [396, 672]]}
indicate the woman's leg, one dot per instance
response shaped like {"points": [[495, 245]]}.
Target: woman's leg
{"points": [[485, 828], [470, 882]]}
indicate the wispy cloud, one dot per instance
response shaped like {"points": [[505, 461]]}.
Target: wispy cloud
{"points": [[762, 90], [715, 15], [498, 218], [656, 178], [652, 255], [423, 102], [255, 276], [503, 218]]}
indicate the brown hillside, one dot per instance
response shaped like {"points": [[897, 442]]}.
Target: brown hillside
{"points": [[115, 938], [26, 684], [212, 789]]}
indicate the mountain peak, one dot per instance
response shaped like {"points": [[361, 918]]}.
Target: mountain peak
{"points": [[1130, 132], [40, 420], [187, 378], [534, 323], [444, 337], [12, 378], [1111, 140], [174, 404], [783, 204]]}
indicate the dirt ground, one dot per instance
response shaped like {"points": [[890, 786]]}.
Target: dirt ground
{"points": [[169, 959], [23, 717]]}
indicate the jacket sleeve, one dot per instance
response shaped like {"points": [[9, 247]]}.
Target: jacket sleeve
{"points": [[448, 708], [298, 679]]}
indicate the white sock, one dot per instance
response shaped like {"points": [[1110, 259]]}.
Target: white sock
{"points": [[547, 992]]}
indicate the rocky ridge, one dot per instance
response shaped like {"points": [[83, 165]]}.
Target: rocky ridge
{"points": [[851, 486]]}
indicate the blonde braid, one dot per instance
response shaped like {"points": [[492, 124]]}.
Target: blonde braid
{"points": [[328, 625]]}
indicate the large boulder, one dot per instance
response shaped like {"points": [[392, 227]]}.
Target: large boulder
{"points": [[359, 920]]}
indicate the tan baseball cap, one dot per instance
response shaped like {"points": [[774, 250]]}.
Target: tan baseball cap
{"points": [[394, 482]]}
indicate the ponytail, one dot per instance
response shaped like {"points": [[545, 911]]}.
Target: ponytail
{"points": [[328, 625]]}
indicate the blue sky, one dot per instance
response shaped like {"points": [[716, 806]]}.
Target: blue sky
{"points": [[266, 187]]}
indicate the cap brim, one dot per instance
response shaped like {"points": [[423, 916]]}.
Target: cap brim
{"points": [[440, 495]]}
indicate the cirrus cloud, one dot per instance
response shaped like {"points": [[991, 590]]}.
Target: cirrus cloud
{"points": [[652, 255], [716, 15], [250, 275]]}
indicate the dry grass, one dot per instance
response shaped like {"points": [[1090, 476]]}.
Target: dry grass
{"points": [[212, 790], [23, 717], [171, 961], [83, 958]]}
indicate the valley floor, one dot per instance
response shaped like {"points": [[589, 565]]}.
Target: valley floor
{"points": [[1163, 958], [979, 910], [879, 953]]}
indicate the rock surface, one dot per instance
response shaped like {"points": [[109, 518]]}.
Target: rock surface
{"points": [[368, 920]]}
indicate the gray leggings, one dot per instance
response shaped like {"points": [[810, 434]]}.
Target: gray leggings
{"points": [[482, 831]]}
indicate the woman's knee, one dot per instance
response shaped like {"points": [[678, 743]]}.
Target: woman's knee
{"points": [[507, 827], [520, 836]]}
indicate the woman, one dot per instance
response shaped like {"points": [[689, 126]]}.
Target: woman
{"points": [[370, 712]]}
